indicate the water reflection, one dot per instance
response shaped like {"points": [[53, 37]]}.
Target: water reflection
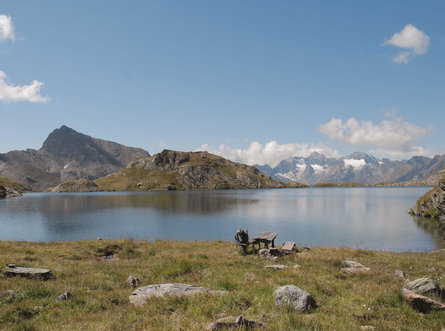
{"points": [[374, 218]]}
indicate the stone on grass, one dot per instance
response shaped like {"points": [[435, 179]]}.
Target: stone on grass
{"points": [[352, 267], [63, 297], [294, 296], [424, 285], [400, 273], [276, 266], [35, 273], [367, 327], [238, 323], [143, 294], [133, 281], [421, 303], [112, 257]]}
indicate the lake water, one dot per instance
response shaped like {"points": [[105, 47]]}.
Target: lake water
{"points": [[369, 218]]}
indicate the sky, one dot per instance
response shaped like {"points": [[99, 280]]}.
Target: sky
{"points": [[254, 81]]}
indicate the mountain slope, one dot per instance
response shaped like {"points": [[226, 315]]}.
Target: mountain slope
{"points": [[67, 155], [357, 167], [173, 170]]}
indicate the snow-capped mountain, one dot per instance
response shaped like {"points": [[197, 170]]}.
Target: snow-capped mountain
{"points": [[357, 167]]}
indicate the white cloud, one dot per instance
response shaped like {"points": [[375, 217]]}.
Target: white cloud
{"points": [[356, 164], [389, 137], [412, 40], [15, 93], [6, 28], [271, 153]]}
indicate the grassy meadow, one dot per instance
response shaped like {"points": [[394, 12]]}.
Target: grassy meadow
{"points": [[100, 295]]}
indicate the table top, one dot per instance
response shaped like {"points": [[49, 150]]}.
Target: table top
{"points": [[269, 236]]}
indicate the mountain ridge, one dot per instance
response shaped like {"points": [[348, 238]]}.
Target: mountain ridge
{"points": [[357, 167], [66, 155]]}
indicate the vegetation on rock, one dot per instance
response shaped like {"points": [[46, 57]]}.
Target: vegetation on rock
{"points": [[173, 170]]}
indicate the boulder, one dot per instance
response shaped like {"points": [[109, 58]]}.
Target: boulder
{"points": [[421, 303], [294, 296], [238, 323], [400, 273], [352, 267], [143, 294], [424, 285], [12, 270]]}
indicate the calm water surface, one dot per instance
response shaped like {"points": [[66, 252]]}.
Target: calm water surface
{"points": [[372, 218]]}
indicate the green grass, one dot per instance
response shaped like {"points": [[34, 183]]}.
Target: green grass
{"points": [[100, 294]]}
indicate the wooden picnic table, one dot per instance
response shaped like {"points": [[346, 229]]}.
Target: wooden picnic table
{"points": [[266, 238]]}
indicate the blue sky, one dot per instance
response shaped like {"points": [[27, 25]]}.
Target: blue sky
{"points": [[255, 81]]}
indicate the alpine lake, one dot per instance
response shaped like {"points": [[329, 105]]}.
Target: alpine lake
{"points": [[373, 218]]}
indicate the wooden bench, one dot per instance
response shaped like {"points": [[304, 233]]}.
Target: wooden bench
{"points": [[288, 247]]}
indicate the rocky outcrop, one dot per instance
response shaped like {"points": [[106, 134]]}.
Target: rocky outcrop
{"points": [[234, 323], [425, 286], [8, 193], [353, 267], [80, 185], [174, 170], [67, 155], [432, 204], [32, 273], [143, 294], [421, 303], [294, 296]]}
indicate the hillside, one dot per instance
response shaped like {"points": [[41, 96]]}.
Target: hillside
{"points": [[358, 167], [15, 185], [173, 170], [432, 204], [67, 155]]}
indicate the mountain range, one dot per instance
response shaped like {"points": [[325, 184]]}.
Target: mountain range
{"points": [[358, 167], [64, 156]]}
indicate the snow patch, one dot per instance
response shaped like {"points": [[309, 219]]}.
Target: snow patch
{"points": [[318, 168], [65, 166], [356, 164]]}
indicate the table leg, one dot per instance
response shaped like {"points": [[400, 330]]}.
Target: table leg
{"points": [[273, 243]]}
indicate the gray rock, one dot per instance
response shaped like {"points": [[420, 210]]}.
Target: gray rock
{"points": [[400, 273], [143, 294], [424, 285], [294, 296], [367, 327], [276, 266], [133, 281], [352, 267], [237, 323], [2, 192], [112, 257], [65, 296], [297, 266], [421, 303], [12, 270]]}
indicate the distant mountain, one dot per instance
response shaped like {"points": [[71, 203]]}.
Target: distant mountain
{"points": [[173, 170], [67, 155], [358, 167]]}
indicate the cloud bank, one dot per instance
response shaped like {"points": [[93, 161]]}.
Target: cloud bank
{"points": [[412, 40], [16, 93], [6, 28], [389, 137], [271, 153]]}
